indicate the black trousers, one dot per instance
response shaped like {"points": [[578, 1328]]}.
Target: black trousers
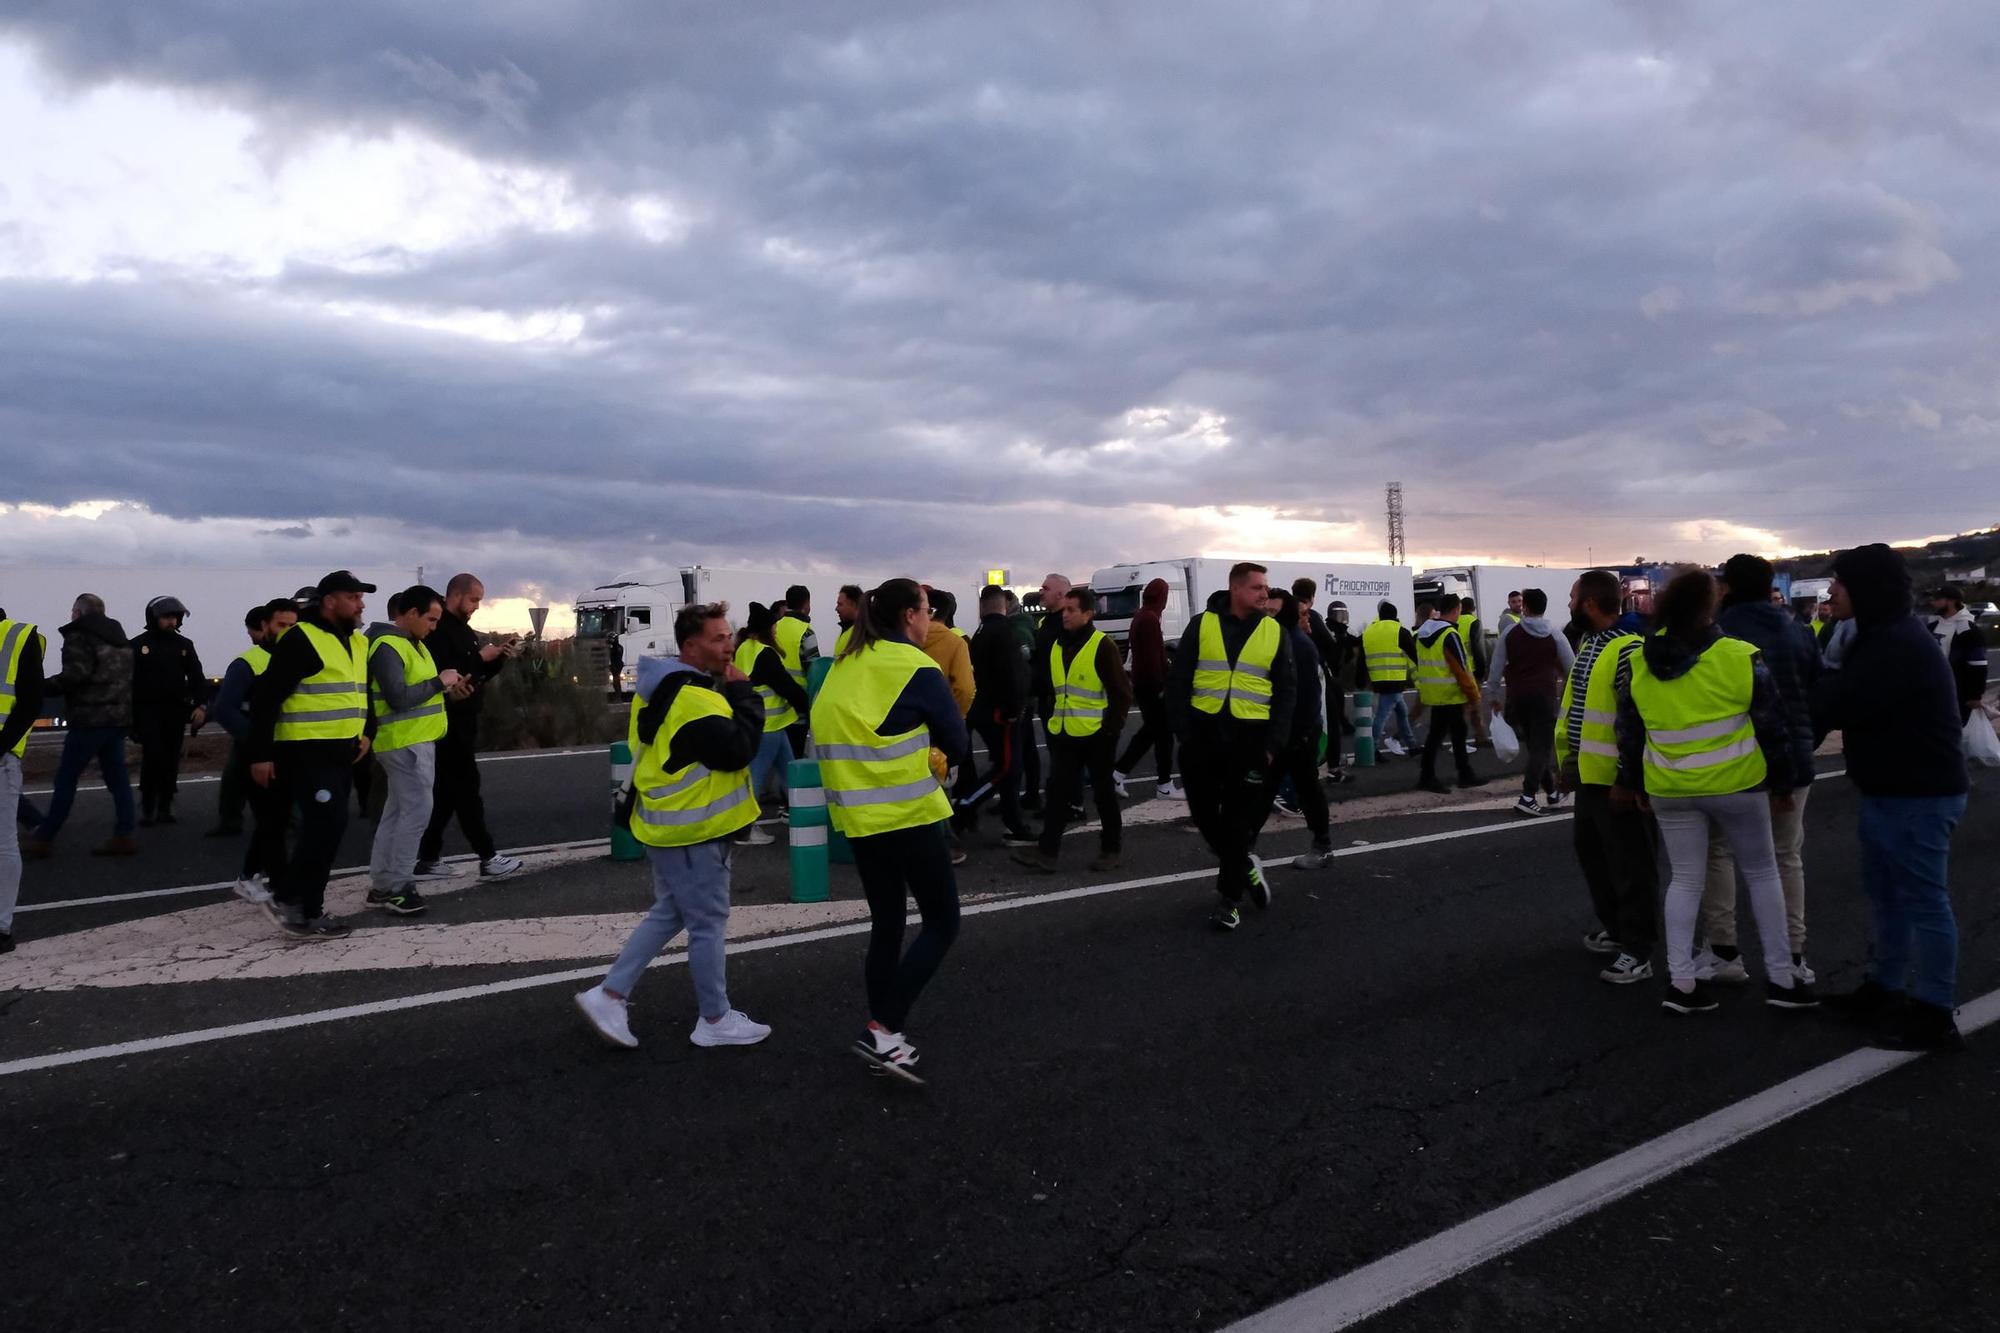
{"points": [[456, 792], [1618, 850], [160, 732], [1031, 755], [1229, 797], [317, 787], [270, 818], [894, 867], [1068, 757], [1154, 732], [1002, 778], [1533, 719], [1301, 764], [1446, 719], [233, 790]]}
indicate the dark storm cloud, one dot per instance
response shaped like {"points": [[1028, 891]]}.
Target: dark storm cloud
{"points": [[1654, 262]]}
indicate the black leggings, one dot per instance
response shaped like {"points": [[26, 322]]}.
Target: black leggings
{"points": [[916, 862]]}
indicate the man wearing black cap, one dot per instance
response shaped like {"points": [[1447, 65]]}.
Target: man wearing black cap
{"points": [[1964, 647], [168, 691], [309, 726]]}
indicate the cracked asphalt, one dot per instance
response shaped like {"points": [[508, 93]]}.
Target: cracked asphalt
{"points": [[1131, 1123]]}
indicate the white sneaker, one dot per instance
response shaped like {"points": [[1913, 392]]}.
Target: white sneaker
{"points": [[888, 1053], [1118, 785], [1167, 791], [499, 866], [607, 1016], [1393, 746], [1802, 970], [734, 1028], [1711, 966], [252, 892], [430, 870], [1625, 969], [754, 837]]}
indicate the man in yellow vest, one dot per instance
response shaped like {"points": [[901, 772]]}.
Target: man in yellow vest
{"points": [[698, 731], [1230, 694], [799, 647], [1388, 661], [406, 699], [21, 648], [308, 728], [1614, 843], [1085, 696], [1446, 688], [1472, 637], [846, 609], [231, 712]]}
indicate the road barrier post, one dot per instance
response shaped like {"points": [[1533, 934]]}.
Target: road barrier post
{"points": [[837, 850], [624, 847], [1364, 729], [809, 827]]}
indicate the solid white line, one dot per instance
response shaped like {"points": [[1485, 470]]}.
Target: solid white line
{"points": [[263, 1025], [1369, 1290], [484, 759]]}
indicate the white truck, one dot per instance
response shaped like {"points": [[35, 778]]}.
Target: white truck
{"points": [[632, 617], [1357, 589], [1488, 586]]}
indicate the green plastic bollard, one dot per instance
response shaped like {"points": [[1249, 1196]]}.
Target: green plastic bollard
{"points": [[1364, 729], [809, 827], [816, 675], [624, 847]]}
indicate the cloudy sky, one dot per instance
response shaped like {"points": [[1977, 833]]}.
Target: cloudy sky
{"points": [[556, 291]]}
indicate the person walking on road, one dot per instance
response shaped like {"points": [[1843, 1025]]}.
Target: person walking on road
{"points": [[1897, 706], [168, 694], [1613, 841], [267, 624], [1027, 630], [95, 684], [701, 730], [1331, 644], [785, 705], [1148, 646], [882, 709], [308, 728], [406, 693], [999, 698], [1230, 695], [1791, 655], [1530, 663], [1701, 744], [1085, 696], [798, 648], [1388, 660], [22, 648], [1472, 638], [1446, 686], [1300, 760], [455, 647], [1964, 647]]}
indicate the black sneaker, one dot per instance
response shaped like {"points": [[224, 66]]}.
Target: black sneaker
{"points": [[6, 942], [405, 901], [1260, 887], [1018, 837], [1917, 1026], [1031, 802], [1798, 995], [1865, 1003], [1467, 781], [1285, 806], [324, 927], [1433, 785], [1227, 916], [1034, 858], [1700, 1000], [1338, 776]]}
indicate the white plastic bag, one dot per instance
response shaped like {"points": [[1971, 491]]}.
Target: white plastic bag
{"points": [[1981, 745], [1506, 745]]}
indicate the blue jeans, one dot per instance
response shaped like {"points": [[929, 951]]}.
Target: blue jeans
{"points": [[1905, 862], [1388, 704], [81, 745], [774, 753], [691, 891]]}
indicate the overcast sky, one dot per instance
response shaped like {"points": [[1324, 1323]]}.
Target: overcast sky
{"points": [[557, 291]]}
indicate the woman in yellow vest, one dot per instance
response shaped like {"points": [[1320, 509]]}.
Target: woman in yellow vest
{"points": [[697, 733], [762, 663], [879, 713], [1701, 742]]}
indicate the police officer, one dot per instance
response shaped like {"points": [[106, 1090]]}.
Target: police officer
{"points": [[168, 694]]}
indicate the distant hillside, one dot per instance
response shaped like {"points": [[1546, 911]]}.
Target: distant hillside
{"points": [[1929, 563]]}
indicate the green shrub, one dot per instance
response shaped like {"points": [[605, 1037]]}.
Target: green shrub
{"points": [[537, 702]]}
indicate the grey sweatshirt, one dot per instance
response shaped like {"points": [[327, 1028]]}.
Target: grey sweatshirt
{"points": [[385, 671]]}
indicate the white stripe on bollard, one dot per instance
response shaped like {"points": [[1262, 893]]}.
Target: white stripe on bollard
{"points": [[803, 797], [809, 837]]}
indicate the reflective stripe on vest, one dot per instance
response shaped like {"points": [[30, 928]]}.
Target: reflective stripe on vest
{"points": [[1597, 756], [14, 637], [1382, 647], [1244, 685], [1700, 740], [789, 633], [1436, 683], [332, 704], [409, 726], [777, 713], [690, 804], [1079, 691], [874, 783]]}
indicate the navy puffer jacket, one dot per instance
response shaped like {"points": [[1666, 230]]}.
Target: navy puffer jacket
{"points": [[1792, 658]]}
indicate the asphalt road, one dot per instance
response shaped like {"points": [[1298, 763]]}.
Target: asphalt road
{"points": [[1131, 1122]]}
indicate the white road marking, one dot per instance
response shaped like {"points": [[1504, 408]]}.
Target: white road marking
{"points": [[484, 759], [265, 1025], [1369, 1290]]}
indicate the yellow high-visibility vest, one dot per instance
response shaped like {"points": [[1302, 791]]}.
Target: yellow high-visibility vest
{"points": [[790, 634], [1079, 691], [1382, 649], [258, 656], [333, 704], [874, 783], [14, 636], [1435, 682], [683, 806], [1700, 740], [1246, 685], [777, 713], [411, 726], [1597, 758]]}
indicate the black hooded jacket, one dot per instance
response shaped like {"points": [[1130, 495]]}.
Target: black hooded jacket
{"points": [[1670, 658], [1220, 730], [1893, 700], [1792, 658]]}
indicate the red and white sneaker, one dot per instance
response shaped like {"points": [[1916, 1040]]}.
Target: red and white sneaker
{"points": [[887, 1053]]}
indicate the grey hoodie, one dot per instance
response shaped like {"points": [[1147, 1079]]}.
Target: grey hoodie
{"points": [[385, 671], [1538, 626]]}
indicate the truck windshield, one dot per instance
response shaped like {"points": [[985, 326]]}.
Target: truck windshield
{"points": [[597, 622], [1119, 603]]}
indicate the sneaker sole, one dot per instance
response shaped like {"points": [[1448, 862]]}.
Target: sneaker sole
{"points": [[501, 874], [888, 1067], [713, 1042], [1794, 1005], [1612, 949], [1688, 1009], [1625, 978], [394, 910], [602, 1035]]}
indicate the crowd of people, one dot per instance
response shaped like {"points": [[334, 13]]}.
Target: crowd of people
{"points": [[1685, 740]]}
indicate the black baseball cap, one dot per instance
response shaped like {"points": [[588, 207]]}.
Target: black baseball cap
{"points": [[342, 581]]}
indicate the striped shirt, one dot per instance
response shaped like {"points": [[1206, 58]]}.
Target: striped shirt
{"points": [[1579, 675]]}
